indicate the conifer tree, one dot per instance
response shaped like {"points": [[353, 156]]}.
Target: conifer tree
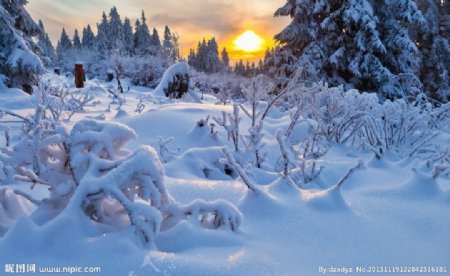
{"points": [[212, 62], [225, 59], [102, 39], [115, 31], [142, 36], [45, 44], [128, 43], [88, 38], [76, 40], [19, 60], [64, 44], [155, 42]]}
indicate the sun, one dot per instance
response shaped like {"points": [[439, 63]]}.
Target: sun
{"points": [[248, 41]]}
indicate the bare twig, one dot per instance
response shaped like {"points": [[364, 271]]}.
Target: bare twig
{"points": [[349, 172]]}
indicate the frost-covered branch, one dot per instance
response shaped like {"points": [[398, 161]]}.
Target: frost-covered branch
{"points": [[238, 169]]}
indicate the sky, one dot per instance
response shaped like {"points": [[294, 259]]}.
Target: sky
{"points": [[191, 19]]}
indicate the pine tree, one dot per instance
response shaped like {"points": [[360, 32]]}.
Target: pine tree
{"points": [[435, 49], [338, 39], [167, 41], [399, 21], [192, 58], [102, 40], [115, 31], [201, 55], [76, 41], [19, 63], [64, 45], [88, 38], [225, 59], [239, 68], [137, 26], [128, 44], [45, 44], [155, 42], [212, 62], [142, 36]]}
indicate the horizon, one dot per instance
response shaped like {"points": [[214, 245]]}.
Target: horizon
{"points": [[200, 19]]}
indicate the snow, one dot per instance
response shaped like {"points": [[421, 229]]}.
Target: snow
{"points": [[388, 212]]}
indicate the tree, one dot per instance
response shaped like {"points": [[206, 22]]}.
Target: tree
{"points": [[212, 62], [155, 43], [88, 38], [399, 23], [239, 68], [192, 58], [142, 37], [342, 42], [225, 59], [102, 41], [115, 31], [45, 44], [435, 49], [128, 44], [170, 44], [64, 44], [76, 41], [19, 60], [167, 42]]}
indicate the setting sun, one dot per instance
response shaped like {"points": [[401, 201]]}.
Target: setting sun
{"points": [[248, 41]]}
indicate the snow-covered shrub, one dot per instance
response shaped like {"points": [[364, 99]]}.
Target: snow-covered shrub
{"points": [[175, 81], [91, 175], [351, 117], [230, 122], [59, 102]]}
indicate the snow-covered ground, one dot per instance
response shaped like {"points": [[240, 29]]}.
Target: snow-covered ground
{"points": [[389, 213]]}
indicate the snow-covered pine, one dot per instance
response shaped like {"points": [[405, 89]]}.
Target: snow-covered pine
{"points": [[19, 62], [170, 44], [115, 31], [45, 44], [88, 38], [128, 44], [101, 41], [225, 59], [64, 45], [435, 49], [400, 23], [142, 37], [207, 57], [76, 41], [155, 42]]}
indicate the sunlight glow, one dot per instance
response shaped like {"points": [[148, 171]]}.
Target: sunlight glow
{"points": [[249, 41]]}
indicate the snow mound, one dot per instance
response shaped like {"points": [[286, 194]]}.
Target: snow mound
{"points": [[201, 163]]}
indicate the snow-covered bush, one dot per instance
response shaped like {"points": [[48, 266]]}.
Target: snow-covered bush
{"points": [[175, 81], [92, 176], [230, 122]]}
